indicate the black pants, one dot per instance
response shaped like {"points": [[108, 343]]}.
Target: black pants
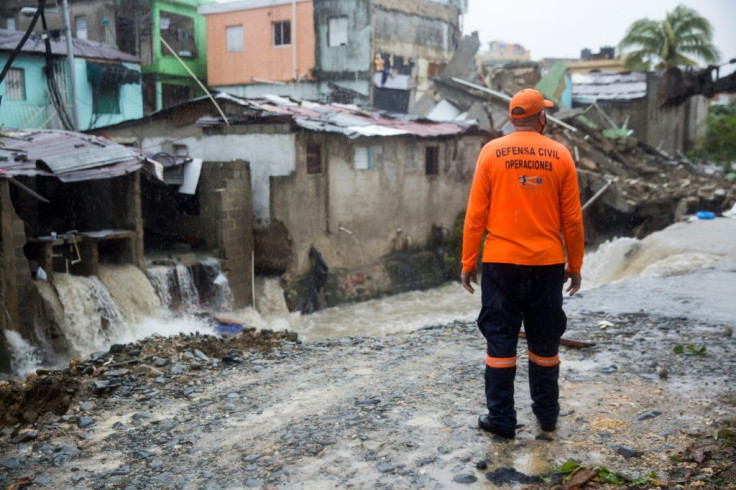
{"points": [[512, 294]]}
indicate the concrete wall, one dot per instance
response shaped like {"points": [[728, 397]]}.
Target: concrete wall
{"points": [[260, 59], [415, 28], [670, 129], [269, 153], [355, 217], [226, 216], [420, 32], [100, 18], [352, 60]]}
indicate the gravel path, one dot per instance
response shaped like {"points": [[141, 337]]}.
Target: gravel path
{"points": [[394, 412]]}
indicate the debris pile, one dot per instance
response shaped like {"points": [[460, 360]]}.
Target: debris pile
{"points": [[155, 360], [630, 188]]}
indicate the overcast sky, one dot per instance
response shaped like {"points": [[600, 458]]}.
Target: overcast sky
{"points": [[562, 28]]}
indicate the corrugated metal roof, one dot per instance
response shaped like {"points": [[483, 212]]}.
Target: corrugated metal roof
{"points": [[83, 48], [348, 120], [67, 155], [590, 87]]}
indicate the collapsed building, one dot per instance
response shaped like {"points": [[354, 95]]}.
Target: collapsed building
{"points": [[629, 148]]}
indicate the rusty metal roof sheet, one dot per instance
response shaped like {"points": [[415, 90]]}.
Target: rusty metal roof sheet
{"points": [[349, 120], [69, 156], [588, 88], [83, 48]]}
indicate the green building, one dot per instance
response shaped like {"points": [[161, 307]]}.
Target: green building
{"points": [[141, 28]]}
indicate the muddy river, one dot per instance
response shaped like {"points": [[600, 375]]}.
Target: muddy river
{"points": [[387, 393]]}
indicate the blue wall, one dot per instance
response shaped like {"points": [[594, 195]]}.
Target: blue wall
{"points": [[37, 111]]}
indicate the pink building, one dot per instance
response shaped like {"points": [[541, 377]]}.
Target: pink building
{"points": [[252, 42]]}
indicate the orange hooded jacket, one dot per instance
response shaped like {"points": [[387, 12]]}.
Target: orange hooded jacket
{"points": [[525, 194]]}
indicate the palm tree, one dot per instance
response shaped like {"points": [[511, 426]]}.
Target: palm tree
{"points": [[670, 42]]}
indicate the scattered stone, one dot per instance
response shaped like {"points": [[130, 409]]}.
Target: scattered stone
{"points": [[101, 387], [117, 348], [84, 422], [10, 464], [114, 373], [628, 452], [482, 464], [25, 436], [201, 355], [160, 361], [465, 478], [384, 467], [121, 470], [509, 476], [649, 414]]}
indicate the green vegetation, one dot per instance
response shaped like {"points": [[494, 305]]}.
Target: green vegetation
{"points": [[674, 41], [604, 475], [719, 143], [690, 350]]}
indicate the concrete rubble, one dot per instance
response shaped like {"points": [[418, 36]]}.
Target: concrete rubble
{"points": [[649, 189]]}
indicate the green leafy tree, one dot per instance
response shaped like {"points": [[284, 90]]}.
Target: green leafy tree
{"points": [[719, 142], [678, 40]]}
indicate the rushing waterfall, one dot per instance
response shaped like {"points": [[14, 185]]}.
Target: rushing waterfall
{"points": [[163, 280], [77, 315], [24, 357], [133, 293], [92, 320], [187, 289], [213, 286]]}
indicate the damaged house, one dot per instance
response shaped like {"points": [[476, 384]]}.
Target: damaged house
{"points": [[629, 101], [35, 91], [377, 53], [69, 204], [367, 196]]}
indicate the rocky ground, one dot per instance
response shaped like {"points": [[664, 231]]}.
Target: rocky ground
{"points": [[651, 403]]}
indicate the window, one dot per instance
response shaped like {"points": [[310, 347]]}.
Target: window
{"points": [[106, 99], [363, 158], [10, 23], [282, 33], [178, 32], [234, 35], [15, 84], [432, 161], [175, 94], [338, 31], [80, 26], [314, 159]]}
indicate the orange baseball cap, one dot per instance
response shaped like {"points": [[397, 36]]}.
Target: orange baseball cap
{"points": [[530, 100]]}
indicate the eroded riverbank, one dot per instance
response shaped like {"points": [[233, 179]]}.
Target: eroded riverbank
{"points": [[398, 411]]}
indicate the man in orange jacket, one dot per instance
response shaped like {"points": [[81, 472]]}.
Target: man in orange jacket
{"points": [[525, 196]]}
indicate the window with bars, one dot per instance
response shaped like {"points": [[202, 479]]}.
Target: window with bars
{"points": [[432, 160], [338, 29], [234, 35], [363, 158], [282, 33], [178, 32], [80, 26], [314, 159], [15, 84]]}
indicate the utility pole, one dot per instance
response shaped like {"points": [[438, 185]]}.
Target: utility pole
{"points": [[70, 58]]}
